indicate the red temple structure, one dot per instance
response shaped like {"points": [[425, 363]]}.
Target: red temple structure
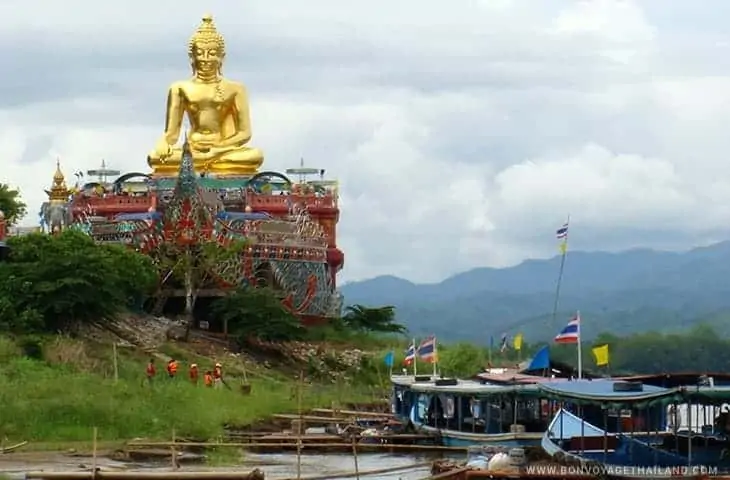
{"points": [[286, 222]]}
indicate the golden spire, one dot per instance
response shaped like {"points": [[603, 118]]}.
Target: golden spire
{"points": [[59, 191], [207, 33], [58, 178]]}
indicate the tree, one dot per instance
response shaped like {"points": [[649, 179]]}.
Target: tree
{"points": [[201, 265], [379, 319], [258, 313], [52, 283], [11, 204]]}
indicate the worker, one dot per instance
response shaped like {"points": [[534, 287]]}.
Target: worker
{"points": [[172, 368], [194, 373], [151, 371], [218, 375], [208, 378]]}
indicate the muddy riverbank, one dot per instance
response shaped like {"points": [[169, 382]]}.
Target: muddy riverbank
{"points": [[275, 466]]}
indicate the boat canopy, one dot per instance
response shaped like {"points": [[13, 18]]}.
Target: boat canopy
{"points": [[457, 387], [716, 395], [604, 392], [609, 393]]}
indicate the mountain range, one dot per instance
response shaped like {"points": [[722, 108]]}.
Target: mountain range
{"points": [[622, 293]]}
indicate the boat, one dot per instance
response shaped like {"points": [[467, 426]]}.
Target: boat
{"points": [[636, 436], [464, 413]]}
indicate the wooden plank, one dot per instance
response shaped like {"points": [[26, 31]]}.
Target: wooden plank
{"points": [[316, 437], [244, 445], [354, 413], [315, 418]]}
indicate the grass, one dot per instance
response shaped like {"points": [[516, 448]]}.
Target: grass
{"points": [[70, 389]]}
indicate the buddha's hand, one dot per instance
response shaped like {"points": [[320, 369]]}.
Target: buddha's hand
{"points": [[163, 150]]}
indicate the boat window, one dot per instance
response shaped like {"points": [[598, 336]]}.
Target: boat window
{"points": [[448, 403], [422, 407], [475, 407]]}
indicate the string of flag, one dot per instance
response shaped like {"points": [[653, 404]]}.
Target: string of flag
{"points": [[427, 351]]}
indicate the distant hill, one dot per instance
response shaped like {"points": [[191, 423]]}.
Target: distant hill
{"points": [[626, 292]]}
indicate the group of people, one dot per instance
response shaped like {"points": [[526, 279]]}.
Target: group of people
{"points": [[211, 378]]}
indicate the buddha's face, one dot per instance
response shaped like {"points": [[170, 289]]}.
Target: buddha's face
{"points": [[207, 58]]}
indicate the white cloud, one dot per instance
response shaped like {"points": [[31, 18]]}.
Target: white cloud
{"points": [[461, 134]]}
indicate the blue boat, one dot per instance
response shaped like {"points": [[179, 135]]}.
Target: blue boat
{"points": [[464, 413], [637, 436]]}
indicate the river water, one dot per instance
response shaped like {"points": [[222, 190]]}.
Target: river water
{"points": [[275, 466], [285, 466]]}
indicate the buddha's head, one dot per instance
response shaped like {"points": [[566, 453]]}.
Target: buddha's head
{"points": [[207, 50]]}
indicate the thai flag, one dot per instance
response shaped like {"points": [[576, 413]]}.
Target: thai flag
{"points": [[562, 232], [571, 332], [410, 354], [427, 350]]}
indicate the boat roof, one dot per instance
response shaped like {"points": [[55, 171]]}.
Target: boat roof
{"points": [[677, 379], [513, 376], [603, 391], [584, 391], [468, 387]]}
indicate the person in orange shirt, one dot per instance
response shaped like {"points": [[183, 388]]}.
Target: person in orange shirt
{"points": [[151, 371], [172, 368], [218, 375], [208, 378], [194, 373]]}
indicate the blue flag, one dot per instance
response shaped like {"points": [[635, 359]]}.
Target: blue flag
{"points": [[389, 359], [541, 360]]}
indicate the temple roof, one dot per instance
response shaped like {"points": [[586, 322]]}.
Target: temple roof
{"points": [[59, 191]]}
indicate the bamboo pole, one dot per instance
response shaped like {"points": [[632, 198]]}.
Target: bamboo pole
{"points": [[173, 453], [303, 446], [323, 437], [13, 447], [354, 413], [354, 455], [101, 475], [93, 451], [116, 362], [321, 419], [300, 425]]}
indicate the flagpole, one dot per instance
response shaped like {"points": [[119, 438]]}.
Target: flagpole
{"points": [[415, 358], [491, 347], [435, 358], [580, 350], [564, 251]]}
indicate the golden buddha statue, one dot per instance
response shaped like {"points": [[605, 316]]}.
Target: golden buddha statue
{"points": [[217, 111]]}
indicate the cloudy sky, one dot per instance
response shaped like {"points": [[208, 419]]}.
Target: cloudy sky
{"points": [[463, 133]]}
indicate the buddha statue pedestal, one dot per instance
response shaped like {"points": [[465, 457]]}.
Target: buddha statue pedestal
{"points": [[242, 162]]}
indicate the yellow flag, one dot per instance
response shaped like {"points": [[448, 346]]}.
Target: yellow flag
{"points": [[563, 247], [601, 355], [517, 342]]}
